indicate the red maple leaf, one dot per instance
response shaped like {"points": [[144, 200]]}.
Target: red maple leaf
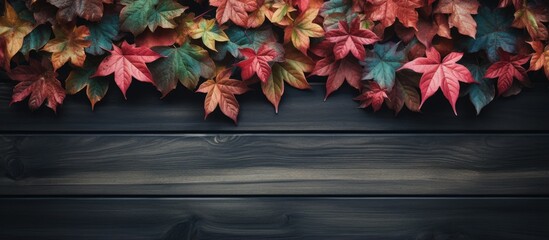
{"points": [[507, 68], [350, 39], [338, 71], [386, 11], [125, 62], [234, 10], [257, 62], [39, 81], [221, 92], [445, 74], [372, 95]]}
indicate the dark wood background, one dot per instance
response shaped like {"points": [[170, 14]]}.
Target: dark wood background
{"points": [[146, 168]]}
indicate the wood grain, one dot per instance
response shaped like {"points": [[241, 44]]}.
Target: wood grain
{"points": [[252, 164], [182, 111], [274, 218]]}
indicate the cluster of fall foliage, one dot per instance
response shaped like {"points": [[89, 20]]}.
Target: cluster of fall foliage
{"points": [[397, 52]]}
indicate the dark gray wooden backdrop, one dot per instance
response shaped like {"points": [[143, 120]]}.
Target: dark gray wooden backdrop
{"points": [[147, 168]]}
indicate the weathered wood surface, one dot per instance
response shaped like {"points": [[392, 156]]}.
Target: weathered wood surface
{"points": [[182, 111], [274, 218], [248, 164]]}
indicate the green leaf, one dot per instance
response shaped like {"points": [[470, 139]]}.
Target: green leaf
{"points": [[102, 34], [382, 63], [80, 78], [36, 39], [139, 14], [184, 64]]}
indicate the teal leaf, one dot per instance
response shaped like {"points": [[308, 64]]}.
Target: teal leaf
{"points": [[36, 39], [102, 34], [243, 38], [382, 63], [494, 31], [484, 91], [81, 78]]}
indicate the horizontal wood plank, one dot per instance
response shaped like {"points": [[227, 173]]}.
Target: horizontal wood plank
{"points": [[269, 164], [275, 218], [182, 111]]}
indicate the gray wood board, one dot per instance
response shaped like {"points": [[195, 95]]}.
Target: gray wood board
{"points": [[274, 218], [268, 164], [182, 111]]}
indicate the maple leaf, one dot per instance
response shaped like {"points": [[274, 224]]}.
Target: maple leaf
{"points": [[68, 44], [381, 64], [350, 38], [91, 10], [234, 10], [494, 31], [222, 91], [444, 74], [258, 62], [36, 39], [372, 95], [386, 11], [303, 28], [338, 71], [484, 91], [334, 11], [39, 82], [290, 71], [161, 37], [532, 18], [507, 68], [404, 92], [127, 61], [184, 64], [243, 38], [210, 32], [184, 25], [460, 14], [140, 14], [540, 57], [102, 34], [80, 78], [13, 29]]}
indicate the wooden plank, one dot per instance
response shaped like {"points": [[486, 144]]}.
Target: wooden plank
{"points": [[244, 164], [182, 111], [275, 218]]}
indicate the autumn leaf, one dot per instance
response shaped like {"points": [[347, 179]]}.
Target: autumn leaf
{"points": [[350, 38], [13, 30], [291, 71], [39, 82], [91, 10], [338, 71], [494, 31], [386, 11], [102, 34], [460, 14], [161, 37], [36, 39], [302, 29], [482, 93], [382, 63], [184, 64], [80, 78], [243, 38], [185, 23], [540, 57], [221, 92], [258, 62], [140, 14], [234, 10], [126, 62], [210, 32], [440, 73], [404, 92], [505, 3], [68, 44], [372, 95], [532, 18], [507, 68]]}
